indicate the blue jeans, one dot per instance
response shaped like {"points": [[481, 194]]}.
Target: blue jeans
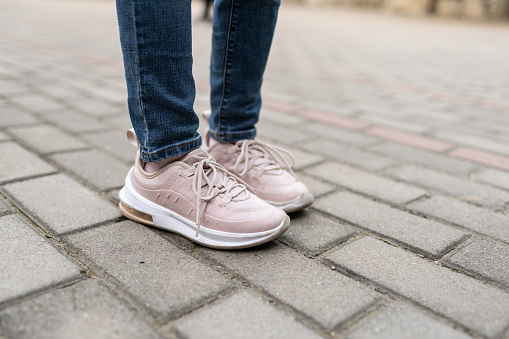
{"points": [[156, 44]]}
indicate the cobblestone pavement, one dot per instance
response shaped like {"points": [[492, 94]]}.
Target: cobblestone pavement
{"points": [[399, 126]]}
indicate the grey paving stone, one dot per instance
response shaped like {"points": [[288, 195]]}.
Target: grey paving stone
{"points": [[282, 134], [311, 288], [367, 183], [302, 159], [113, 196], [37, 104], [477, 219], [473, 140], [462, 188], [429, 237], [29, 263], [61, 204], [4, 136], [402, 321], [243, 316], [47, 139], [11, 116], [312, 233], [120, 121], [317, 187], [474, 305], [160, 276], [428, 159], [279, 118], [484, 258], [4, 208], [95, 107], [97, 168], [8, 87], [338, 134], [83, 310], [74, 122], [494, 177], [12, 170], [348, 154], [113, 142]]}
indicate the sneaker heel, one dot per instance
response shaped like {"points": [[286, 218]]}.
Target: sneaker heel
{"points": [[135, 215]]}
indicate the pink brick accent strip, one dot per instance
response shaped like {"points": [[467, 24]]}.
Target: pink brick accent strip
{"points": [[409, 139], [482, 157]]}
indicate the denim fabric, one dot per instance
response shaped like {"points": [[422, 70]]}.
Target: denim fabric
{"points": [[156, 44]]}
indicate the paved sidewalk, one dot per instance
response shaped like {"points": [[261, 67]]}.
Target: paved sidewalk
{"points": [[400, 127]]}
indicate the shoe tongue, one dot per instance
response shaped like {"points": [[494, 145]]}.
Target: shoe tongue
{"points": [[194, 156]]}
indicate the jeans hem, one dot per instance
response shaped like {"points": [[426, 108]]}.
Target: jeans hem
{"points": [[233, 136], [172, 151]]}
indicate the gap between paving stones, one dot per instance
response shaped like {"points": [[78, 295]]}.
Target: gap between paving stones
{"points": [[394, 295], [445, 262], [299, 315], [391, 296], [388, 239]]}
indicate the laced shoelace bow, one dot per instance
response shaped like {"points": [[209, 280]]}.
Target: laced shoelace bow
{"points": [[202, 170], [270, 157]]}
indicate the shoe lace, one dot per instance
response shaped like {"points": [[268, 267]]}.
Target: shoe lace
{"points": [[270, 158], [205, 173]]}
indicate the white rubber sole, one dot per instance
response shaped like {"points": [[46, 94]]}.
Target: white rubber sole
{"points": [[301, 202], [138, 208]]}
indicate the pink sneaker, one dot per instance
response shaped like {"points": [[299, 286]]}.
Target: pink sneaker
{"points": [[265, 168], [198, 198]]}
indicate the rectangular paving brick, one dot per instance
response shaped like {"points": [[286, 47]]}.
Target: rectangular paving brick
{"points": [[483, 258], [429, 159], [161, 277], [12, 116], [12, 155], [277, 117], [338, 134], [302, 159], [409, 139], [242, 316], [317, 187], [367, 183], [61, 204], [348, 154], [475, 305], [74, 122], [29, 262], [114, 142], [473, 140], [460, 187], [304, 284], [97, 168], [313, 233], [79, 311], [37, 104], [4, 208], [482, 157], [429, 237], [4, 136], [477, 219], [47, 139], [284, 135], [494, 177], [402, 321]]}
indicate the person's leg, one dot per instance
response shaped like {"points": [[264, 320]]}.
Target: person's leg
{"points": [[156, 44], [241, 39], [194, 196]]}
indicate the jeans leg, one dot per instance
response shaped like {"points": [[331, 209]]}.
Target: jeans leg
{"points": [[241, 38], [156, 44]]}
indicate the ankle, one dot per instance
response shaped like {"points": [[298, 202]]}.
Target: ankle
{"points": [[155, 166]]}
